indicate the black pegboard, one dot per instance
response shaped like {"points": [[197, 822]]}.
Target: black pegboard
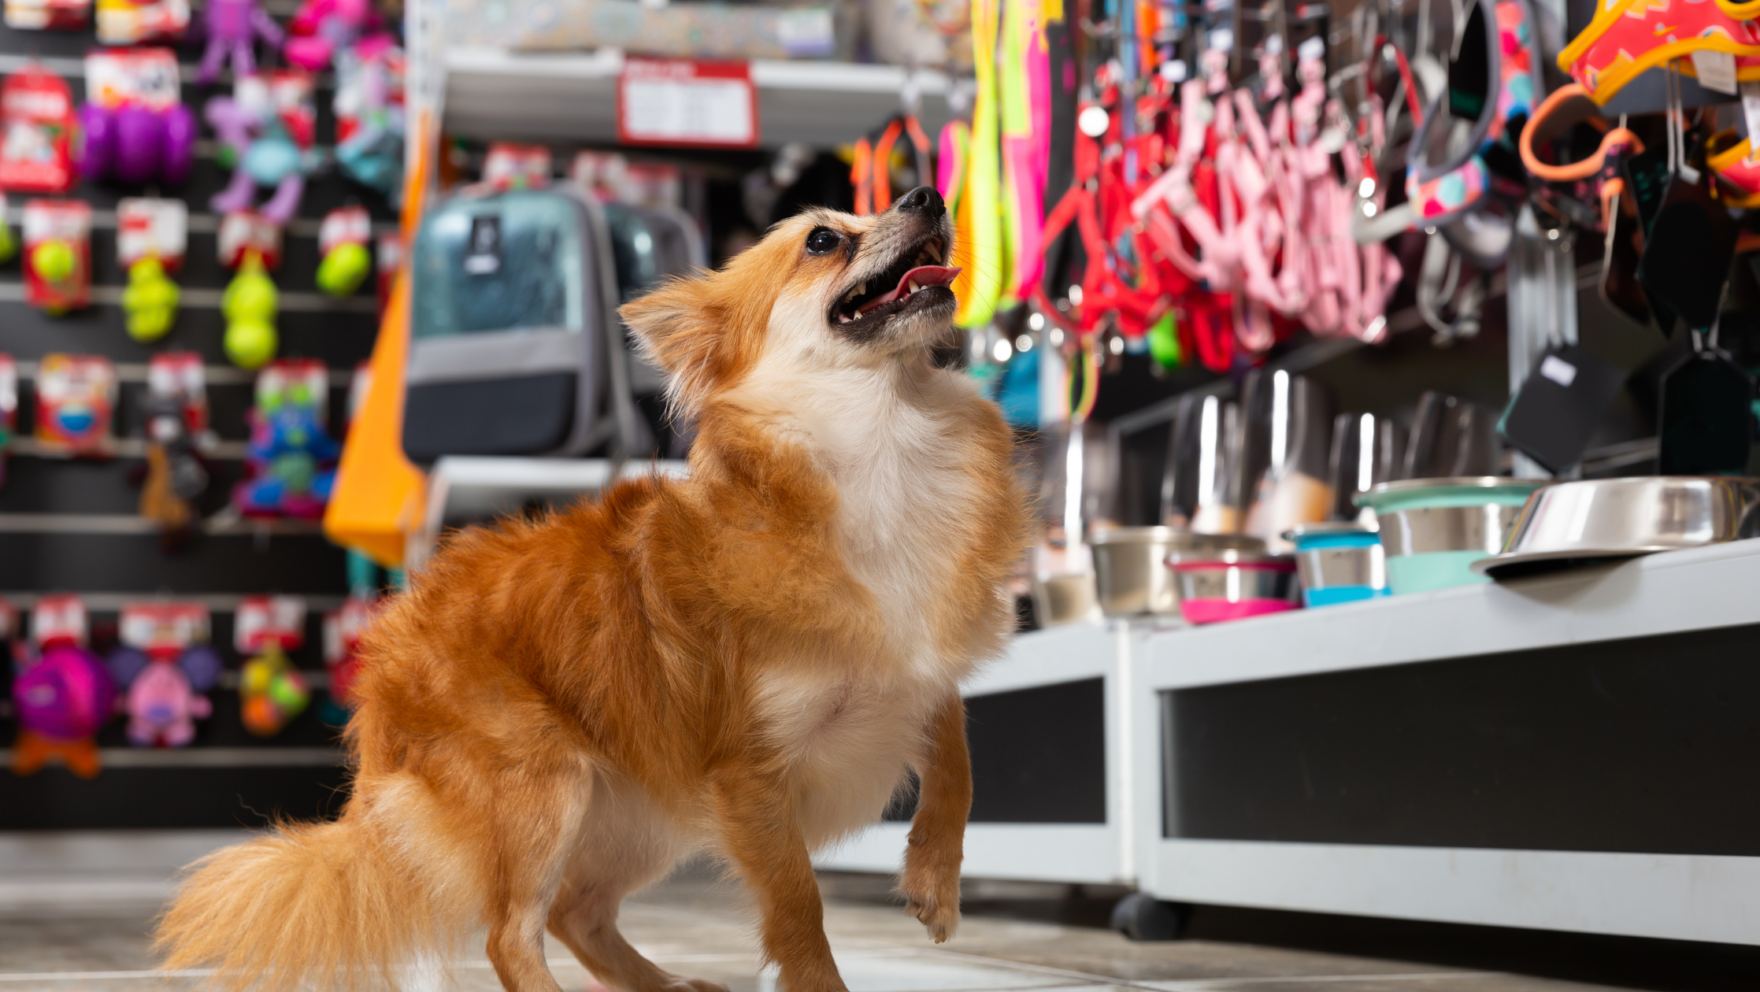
{"points": [[38, 557]]}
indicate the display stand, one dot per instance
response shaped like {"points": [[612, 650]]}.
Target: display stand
{"points": [[1048, 729], [1569, 752]]}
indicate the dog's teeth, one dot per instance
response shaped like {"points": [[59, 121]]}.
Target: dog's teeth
{"points": [[858, 315], [913, 286]]}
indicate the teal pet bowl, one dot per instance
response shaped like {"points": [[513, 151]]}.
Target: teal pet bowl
{"points": [[1432, 530]]}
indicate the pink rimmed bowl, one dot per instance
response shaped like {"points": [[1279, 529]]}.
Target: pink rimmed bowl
{"points": [[1232, 585]]}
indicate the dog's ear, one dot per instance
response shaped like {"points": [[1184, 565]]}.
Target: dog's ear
{"points": [[681, 327]]}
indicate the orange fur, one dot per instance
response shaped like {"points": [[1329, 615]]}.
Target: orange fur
{"points": [[746, 662]]}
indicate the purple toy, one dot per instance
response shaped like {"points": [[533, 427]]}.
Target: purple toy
{"points": [[234, 27], [65, 695], [266, 156], [136, 144]]}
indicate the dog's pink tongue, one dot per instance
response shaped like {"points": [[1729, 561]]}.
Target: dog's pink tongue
{"points": [[922, 275]]}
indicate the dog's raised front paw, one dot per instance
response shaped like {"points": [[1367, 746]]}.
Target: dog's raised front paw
{"points": [[933, 901]]}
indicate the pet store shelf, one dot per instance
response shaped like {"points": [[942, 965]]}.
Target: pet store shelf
{"points": [[1667, 593], [111, 602], [123, 447], [212, 375], [209, 299], [220, 525], [495, 94]]}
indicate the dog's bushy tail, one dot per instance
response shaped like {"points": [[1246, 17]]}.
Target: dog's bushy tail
{"points": [[314, 905]]}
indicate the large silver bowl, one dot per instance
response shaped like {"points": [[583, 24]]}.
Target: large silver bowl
{"points": [[1129, 566], [1572, 523]]}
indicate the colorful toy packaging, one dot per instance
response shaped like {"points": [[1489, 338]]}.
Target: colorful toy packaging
{"points": [[62, 695], [342, 636], [76, 404], [58, 254], [290, 465], [176, 414], [8, 408], [271, 691], [370, 120], [512, 166], [342, 243], [266, 128], [135, 126], [41, 15], [165, 663], [151, 237], [135, 22], [325, 29], [36, 111]]}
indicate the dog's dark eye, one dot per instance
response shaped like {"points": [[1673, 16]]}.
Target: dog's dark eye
{"points": [[822, 240]]}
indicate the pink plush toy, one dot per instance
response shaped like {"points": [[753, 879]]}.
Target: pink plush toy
{"points": [[164, 699], [322, 28]]}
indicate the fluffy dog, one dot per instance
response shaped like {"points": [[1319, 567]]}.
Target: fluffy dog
{"points": [[746, 662]]}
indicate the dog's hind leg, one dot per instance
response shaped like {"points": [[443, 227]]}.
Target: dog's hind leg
{"points": [[625, 846], [586, 921], [535, 820]]}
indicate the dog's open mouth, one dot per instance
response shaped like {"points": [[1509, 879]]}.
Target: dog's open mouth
{"points": [[879, 297]]}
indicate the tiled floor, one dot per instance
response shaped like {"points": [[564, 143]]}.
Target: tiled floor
{"points": [[700, 928]]}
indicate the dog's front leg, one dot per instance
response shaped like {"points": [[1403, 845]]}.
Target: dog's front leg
{"points": [[759, 833], [937, 842]]}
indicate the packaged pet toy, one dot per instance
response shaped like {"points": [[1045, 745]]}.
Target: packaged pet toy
{"points": [[164, 664], [36, 111], [266, 129], [58, 254], [176, 413], [62, 695], [151, 236], [513, 166], [135, 22], [76, 403], [342, 637], [370, 117], [249, 305], [8, 407], [135, 126], [324, 29], [40, 15], [342, 244], [234, 27], [271, 691], [290, 464]]}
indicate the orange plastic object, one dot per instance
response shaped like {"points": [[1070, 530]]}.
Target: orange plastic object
{"points": [[380, 495]]}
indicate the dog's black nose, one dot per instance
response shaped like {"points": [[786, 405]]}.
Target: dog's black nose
{"points": [[925, 200]]}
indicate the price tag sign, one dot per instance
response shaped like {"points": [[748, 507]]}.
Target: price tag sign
{"points": [[684, 102]]}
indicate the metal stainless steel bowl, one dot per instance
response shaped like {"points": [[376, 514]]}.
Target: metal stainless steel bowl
{"points": [[1433, 529], [1233, 585], [1571, 523], [1339, 562], [1129, 566]]}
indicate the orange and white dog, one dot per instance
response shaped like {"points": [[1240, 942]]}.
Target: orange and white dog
{"points": [[746, 662]]}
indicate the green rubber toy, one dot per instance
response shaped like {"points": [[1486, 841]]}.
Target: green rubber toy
{"points": [[344, 269], [53, 261], [249, 305], [8, 243], [150, 301]]}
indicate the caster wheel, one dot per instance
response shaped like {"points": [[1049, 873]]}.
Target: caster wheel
{"points": [[1143, 917]]}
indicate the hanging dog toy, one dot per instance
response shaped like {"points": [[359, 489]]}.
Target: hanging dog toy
{"points": [[234, 27]]}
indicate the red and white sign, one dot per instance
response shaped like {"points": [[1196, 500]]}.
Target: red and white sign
{"points": [[179, 376], [59, 620], [684, 102], [133, 77], [36, 114], [163, 630], [245, 231], [264, 620], [514, 166], [151, 227]]}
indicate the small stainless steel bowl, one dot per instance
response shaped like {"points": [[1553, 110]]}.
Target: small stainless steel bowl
{"points": [[1572, 523], [1232, 584], [1129, 568], [1339, 562]]}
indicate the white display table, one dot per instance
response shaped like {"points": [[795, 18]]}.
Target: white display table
{"points": [[1048, 725], [1578, 751]]}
